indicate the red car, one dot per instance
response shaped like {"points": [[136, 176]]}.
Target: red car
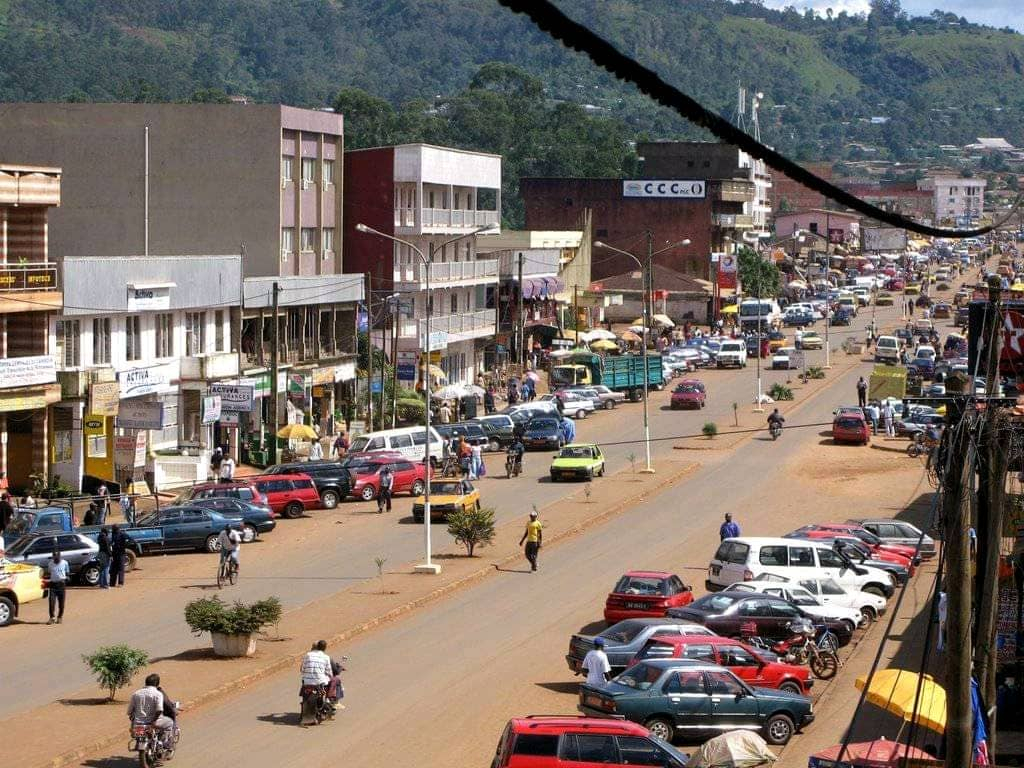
{"points": [[896, 284], [881, 555], [288, 495], [409, 477], [243, 489], [851, 427], [643, 594], [742, 660], [865, 536], [689, 393]]}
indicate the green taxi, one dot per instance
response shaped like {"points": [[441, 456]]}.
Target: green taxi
{"points": [[578, 461]]}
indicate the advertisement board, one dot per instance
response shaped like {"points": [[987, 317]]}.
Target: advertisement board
{"points": [[27, 371], [1011, 354], [883, 239], [211, 409], [150, 380], [140, 415], [234, 397], [129, 452], [727, 270], [104, 398], [693, 189]]}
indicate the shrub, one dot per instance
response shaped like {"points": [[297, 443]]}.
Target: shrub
{"points": [[472, 527], [780, 392], [710, 429], [942, 287], [815, 372], [411, 411], [115, 665], [211, 614]]}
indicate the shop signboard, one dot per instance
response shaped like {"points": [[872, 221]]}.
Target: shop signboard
{"points": [[146, 381], [230, 419], [129, 452], [10, 403], [322, 376], [345, 371], [211, 408], [140, 415], [104, 398], [407, 371], [27, 278], [235, 397], [27, 371], [376, 386], [148, 297], [692, 189]]}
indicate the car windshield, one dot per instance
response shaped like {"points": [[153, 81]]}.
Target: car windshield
{"points": [[19, 525], [624, 632], [640, 676], [541, 424], [688, 387], [577, 452], [19, 547], [446, 489], [714, 603], [640, 585]]}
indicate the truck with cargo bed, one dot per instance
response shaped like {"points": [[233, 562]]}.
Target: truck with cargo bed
{"points": [[620, 373]]}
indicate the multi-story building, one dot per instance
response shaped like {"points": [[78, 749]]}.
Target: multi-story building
{"points": [[434, 198], [29, 296], [839, 227], [956, 198], [260, 181]]}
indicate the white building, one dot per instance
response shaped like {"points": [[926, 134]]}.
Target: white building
{"points": [[955, 197]]}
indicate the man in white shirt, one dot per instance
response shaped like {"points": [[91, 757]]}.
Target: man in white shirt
{"points": [[230, 542], [316, 665], [227, 468], [146, 706], [57, 575], [596, 664]]}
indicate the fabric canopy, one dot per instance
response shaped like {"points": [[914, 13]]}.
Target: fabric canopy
{"points": [[541, 287], [896, 691], [880, 753]]}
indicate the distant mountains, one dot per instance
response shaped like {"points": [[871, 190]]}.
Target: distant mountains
{"points": [[937, 80]]}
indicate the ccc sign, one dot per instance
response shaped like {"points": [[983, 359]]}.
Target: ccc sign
{"points": [[663, 188]]}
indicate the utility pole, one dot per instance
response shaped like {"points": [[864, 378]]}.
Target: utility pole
{"points": [[576, 312], [274, 364], [520, 320], [394, 362], [646, 279], [369, 352]]}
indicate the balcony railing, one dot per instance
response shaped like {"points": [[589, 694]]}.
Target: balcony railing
{"points": [[444, 272], [733, 220], [465, 325], [30, 276], [445, 218]]}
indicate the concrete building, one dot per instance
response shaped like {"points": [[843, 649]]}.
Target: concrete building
{"points": [[428, 196], [30, 295], [788, 195], [681, 297], [956, 198], [839, 227]]}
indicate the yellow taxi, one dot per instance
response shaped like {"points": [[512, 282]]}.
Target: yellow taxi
{"points": [[20, 583], [447, 496], [913, 289]]}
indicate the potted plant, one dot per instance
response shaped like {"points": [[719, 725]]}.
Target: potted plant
{"points": [[232, 628]]}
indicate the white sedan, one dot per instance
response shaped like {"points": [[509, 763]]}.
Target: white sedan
{"points": [[829, 592], [803, 599]]}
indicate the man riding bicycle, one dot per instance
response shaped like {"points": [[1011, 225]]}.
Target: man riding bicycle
{"points": [[230, 543]]}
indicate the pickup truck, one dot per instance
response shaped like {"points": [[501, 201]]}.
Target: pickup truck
{"points": [[621, 373]]}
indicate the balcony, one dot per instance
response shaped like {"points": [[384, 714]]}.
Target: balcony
{"points": [[732, 220], [445, 273], [442, 220], [26, 185], [465, 325], [215, 365]]}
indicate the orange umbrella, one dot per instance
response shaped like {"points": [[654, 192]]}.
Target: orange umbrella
{"points": [[630, 336]]}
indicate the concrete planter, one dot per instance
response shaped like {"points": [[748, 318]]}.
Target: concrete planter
{"points": [[234, 646]]}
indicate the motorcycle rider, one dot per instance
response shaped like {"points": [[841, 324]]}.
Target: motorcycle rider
{"points": [[147, 707], [230, 542], [775, 419], [516, 450], [316, 665]]}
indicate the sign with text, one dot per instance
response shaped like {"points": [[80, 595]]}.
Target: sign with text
{"points": [[211, 409], [883, 239], [129, 451], [27, 278], [438, 340], [27, 371], [149, 297], [691, 189], [104, 397], [140, 415], [406, 372], [147, 381], [234, 397], [727, 270]]}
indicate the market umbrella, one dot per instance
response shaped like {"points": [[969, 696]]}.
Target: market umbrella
{"points": [[568, 333], [732, 309], [435, 372], [1017, 287], [735, 749], [895, 690], [600, 334], [604, 345], [532, 375], [451, 392], [630, 336], [297, 432], [880, 753], [638, 323], [663, 320]]}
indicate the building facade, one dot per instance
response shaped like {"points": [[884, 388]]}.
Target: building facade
{"points": [[838, 227], [30, 295], [956, 199], [434, 198]]}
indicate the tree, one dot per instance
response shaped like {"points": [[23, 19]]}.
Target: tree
{"points": [[115, 665], [758, 276], [472, 527], [369, 120]]}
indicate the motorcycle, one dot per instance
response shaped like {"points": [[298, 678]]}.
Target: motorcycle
{"points": [[155, 746], [513, 464], [775, 429], [810, 645], [316, 707]]}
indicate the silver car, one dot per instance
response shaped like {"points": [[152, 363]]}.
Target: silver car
{"points": [[79, 550], [892, 531]]}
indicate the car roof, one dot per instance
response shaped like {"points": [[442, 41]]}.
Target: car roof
{"points": [[555, 724], [676, 663], [240, 482], [692, 639], [290, 476], [762, 541], [650, 574], [580, 445]]}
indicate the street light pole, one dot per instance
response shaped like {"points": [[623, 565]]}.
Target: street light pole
{"points": [[427, 566], [646, 281]]}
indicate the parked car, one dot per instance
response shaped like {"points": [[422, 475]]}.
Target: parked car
{"points": [[19, 584], [866, 536], [923, 362], [891, 531], [753, 666], [256, 518], [609, 395], [331, 478], [799, 318], [624, 639], [446, 496], [860, 554], [499, 427], [850, 427], [288, 495], [689, 393], [243, 489], [564, 741], [573, 403], [79, 550], [736, 614], [408, 477], [182, 527], [684, 696], [843, 316], [732, 352], [785, 358], [587, 392], [811, 340], [645, 593], [411, 442], [827, 591], [471, 432], [543, 433], [802, 599], [578, 461]]}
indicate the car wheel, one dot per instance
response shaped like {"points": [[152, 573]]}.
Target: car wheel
{"points": [[212, 544], [369, 493], [849, 625], [779, 729], [609, 405], [131, 559], [581, 414], [869, 614], [329, 499], [792, 686], [493, 446], [7, 611], [293, 510], [874, 589], [600, 472], [477, 507], [248, 533], [418, 487], [90, 575], [660, 729]]}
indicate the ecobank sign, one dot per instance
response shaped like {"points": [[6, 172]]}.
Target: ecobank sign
{"points": [[664, 188]]}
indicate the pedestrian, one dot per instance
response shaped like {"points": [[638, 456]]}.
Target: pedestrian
{"points": [[445, 413], [476, 461], [489, 400], [568, 429], [872, 412], [6, 515], [862, 392], [227, 470], [216, 460], [103, 497], [118, 547], [57, 574], [940, 644], [798, 337], [533, 536], [465, 454], [316, 451], [103, 557], [889, 415], [599, 671], [387, 484], [128, 508], [90, 514], [340, 445], [728, 529]]}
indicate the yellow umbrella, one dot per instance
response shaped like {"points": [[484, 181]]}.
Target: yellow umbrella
{"points": [[638, 321], [604, 344], [435, 372], [297, 432], [630, 336], [568, 333], [732, 309], [895, 691]]}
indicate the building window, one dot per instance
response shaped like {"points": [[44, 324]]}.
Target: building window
{"points": [[165, 334], [287, 161], [287, 241], [455, 303], [195, 333], [133, 337], [218, 331], [96, 447], [101, 341], [328, 236], [430, 199], [309, 238], [308, 171], [328, 172], [68, 353]]}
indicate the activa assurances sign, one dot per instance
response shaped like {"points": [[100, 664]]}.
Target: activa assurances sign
{"points": [[692, 188]]}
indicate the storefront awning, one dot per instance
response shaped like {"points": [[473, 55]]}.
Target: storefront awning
{"points": [[541, 287]]}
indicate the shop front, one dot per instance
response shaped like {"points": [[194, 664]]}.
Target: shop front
{"points": [[28, 385]]}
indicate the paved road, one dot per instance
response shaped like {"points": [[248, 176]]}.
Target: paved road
{"points": [[440, 684], [311, 558]]}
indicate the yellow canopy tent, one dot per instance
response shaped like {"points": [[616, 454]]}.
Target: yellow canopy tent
{"points": [[732, 309], [896, 690], [604, 345], [297, 432]]}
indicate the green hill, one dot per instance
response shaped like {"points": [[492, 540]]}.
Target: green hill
{"points": [[938, 79]]}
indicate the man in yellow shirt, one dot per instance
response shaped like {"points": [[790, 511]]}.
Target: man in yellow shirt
{"points": [[533, 535]]}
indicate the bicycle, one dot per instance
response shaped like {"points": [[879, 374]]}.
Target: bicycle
{"points": [[227, 571]]}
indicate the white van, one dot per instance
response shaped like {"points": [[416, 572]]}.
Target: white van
{"points": [[747, 558], [409, 441], [732, 352], [887, 350]]}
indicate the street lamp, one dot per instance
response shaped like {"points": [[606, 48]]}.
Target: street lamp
{"points": [[645, 269], [427, 566]]}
